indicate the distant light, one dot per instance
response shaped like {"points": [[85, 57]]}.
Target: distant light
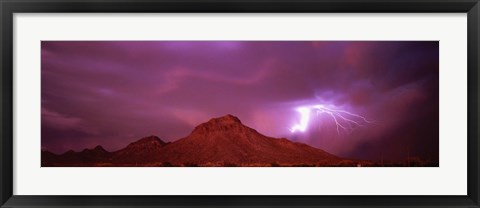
{"points": [[304, 119], [344, 120]]}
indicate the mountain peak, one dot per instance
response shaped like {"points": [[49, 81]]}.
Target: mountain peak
{"points": [[149, 139], [221, 123], [144, 149], [145, 143], [226, 119], [99, 148]]}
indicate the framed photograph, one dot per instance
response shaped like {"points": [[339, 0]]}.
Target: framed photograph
{"points": [[266, 103]]}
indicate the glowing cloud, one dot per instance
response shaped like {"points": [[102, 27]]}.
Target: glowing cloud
{"points": [[304, 119]]}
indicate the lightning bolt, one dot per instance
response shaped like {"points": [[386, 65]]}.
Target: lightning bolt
{"points": [[344, 121]]}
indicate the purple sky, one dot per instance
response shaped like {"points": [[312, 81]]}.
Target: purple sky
{"points": [[114, 92]]}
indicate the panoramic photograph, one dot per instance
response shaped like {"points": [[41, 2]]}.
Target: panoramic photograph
{"points": [[239, 104]]}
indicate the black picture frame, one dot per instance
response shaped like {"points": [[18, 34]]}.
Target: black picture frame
{"points": [[9, 7]]}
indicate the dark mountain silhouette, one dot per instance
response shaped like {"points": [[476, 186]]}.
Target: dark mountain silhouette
{"points": [[144, 150], [223, 141], [95, 155]]}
